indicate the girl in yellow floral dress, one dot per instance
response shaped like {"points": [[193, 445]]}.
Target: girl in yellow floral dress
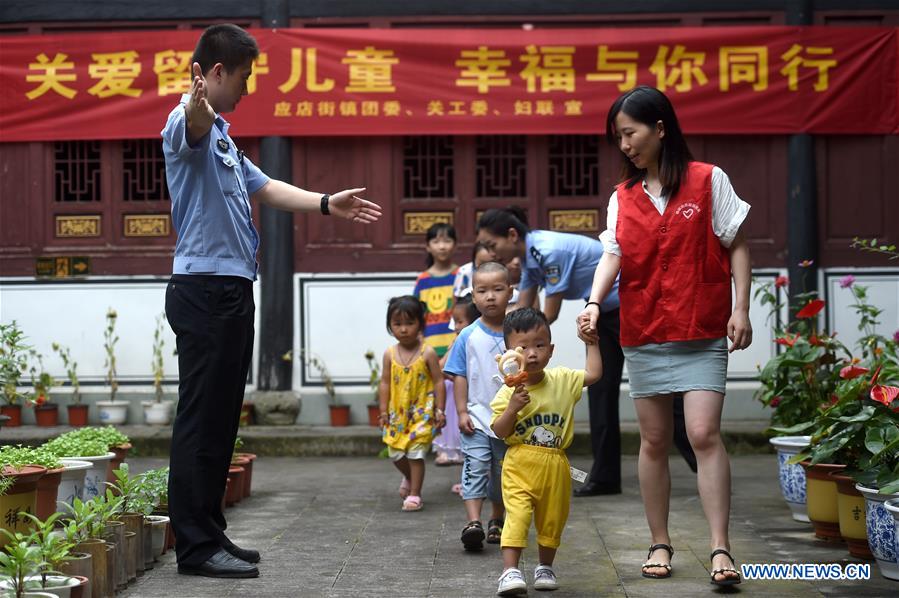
{"points": [[411, 395]]}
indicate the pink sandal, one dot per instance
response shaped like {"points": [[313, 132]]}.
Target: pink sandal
{"points": [[404, 488], [412, 503]]}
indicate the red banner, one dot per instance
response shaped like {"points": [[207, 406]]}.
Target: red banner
{"points": [[752, 80]]}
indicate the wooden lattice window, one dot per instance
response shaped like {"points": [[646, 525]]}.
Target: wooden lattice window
{"points": [[76, 171], [501, 165], [143, 171], [573, 165], [428, 167]]}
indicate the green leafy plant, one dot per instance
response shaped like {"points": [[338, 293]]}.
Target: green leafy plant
{"points": [[131, 490], [71, 371], [20, 456], [313, 360], [872, 246], [41, 382], [374, 373], [55, 549], [158, 363], [799, 381], [859, 428], [67, 445], [109, 342], [154, 488], [19, 559], [82, 521], [13, 361]]}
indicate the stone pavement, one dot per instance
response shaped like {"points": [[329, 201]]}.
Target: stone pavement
{"points": [[333, 527]]}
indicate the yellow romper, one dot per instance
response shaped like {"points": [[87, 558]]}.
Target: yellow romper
{"points": [[410, 407]]}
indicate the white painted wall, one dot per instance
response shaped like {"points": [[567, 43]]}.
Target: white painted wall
{"points": [[340, 317]]}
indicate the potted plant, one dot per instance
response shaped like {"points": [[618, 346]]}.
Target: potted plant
{"points": [[340, 414], [116, 442], [13, 365], [48, 484], [54, 550], [20, 493], [126, 489], [75, 445], [46, 413], [152, 492], [374, 379], [244, 460], [158, 411], [82, 527], [77, 412], [110, 411], [796, 384], [18, 560]]}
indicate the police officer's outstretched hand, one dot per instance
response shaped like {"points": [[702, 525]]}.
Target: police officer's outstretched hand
{"points": [[200, 114], [347, 205]]}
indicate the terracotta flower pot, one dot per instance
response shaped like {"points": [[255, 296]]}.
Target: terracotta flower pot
{"points": [[248, 472], [47, 492], [822, 505], [47, 415], [246, 414], [234, 491], [14, 412], [121, 452], [340, 415], [21, 497], [851, 507], [77, 415], [374, 414]]}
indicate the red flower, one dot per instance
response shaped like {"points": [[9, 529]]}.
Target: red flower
{"points": [[811, 309], [775, 402], [814, 340], [884, 394], [786, 340], [851, 371], [781, 281]]}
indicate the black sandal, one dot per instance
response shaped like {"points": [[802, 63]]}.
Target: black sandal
{"points": [[473, 536], [666, 566], [727, 581], [494, 531]]}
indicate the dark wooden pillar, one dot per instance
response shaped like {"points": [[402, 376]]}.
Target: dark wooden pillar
{"points": [[276, 266], [802, 194]]}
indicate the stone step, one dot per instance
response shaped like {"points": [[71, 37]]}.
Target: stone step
{"points": [[743, 437]]}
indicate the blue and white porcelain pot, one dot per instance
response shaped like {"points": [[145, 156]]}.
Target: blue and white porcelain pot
{"points": [[792, 477], [882, 531]]}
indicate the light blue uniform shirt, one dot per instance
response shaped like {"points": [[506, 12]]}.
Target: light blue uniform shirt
{"points": [[564, 263], [210, 185]]}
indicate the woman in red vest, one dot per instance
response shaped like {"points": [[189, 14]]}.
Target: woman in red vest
{"points": [[673, 232]]}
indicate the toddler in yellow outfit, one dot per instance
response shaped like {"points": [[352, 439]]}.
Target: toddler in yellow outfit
{"points": [[536, 420]]}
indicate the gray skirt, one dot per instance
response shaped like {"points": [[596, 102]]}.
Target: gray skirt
{"points": [[677, 367]]}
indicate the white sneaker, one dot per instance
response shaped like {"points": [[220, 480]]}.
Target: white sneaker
{"points": [[512, 583], [545, 578]]}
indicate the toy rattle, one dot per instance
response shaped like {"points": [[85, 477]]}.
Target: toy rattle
{"points": [[511, 367]]}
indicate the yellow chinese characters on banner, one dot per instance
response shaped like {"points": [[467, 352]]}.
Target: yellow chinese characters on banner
{"points": [[552, 65], [373, 70], [617, 67], [794, 59], [743, 64], [116, 72], [172, 70], [51, 79]]}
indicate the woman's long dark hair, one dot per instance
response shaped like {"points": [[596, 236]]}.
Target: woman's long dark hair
{"points": [[499, 221], [648, 105]]}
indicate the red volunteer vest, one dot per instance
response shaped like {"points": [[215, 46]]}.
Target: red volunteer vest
{"points": [[675, 274]]}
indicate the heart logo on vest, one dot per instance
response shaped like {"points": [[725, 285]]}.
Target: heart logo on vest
{"points": [[688, 210]]}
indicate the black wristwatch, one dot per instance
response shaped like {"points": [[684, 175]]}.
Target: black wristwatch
{"points": [[324, 207]]}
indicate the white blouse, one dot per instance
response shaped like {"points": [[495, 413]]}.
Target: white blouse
{"points": [[728, 212]]}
